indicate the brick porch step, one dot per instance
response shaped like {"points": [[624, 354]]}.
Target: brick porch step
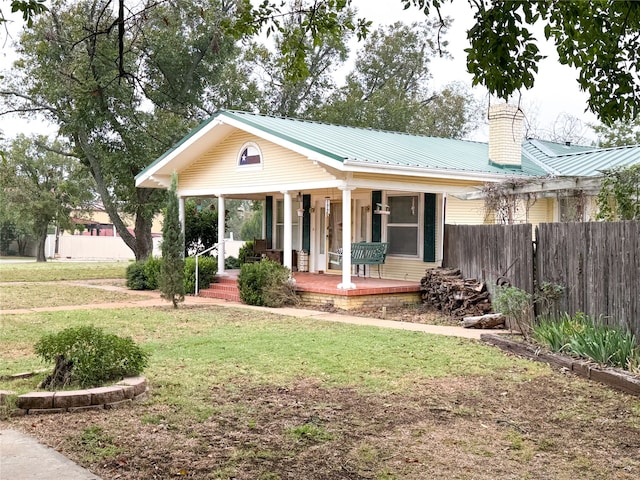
{"points": [[224, 289]]}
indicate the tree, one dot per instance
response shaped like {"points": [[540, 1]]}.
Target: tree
{"points": [[565, 128], [41, 188], [620, 133], [171, 280], [116, 125], [599, 38], [200, 226], [28, 8], [252, 227], [619, 196], [388, 88], [287, 91]]}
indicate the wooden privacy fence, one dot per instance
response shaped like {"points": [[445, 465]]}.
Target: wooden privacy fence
{"points": [[491, 253], [599, 266], [597, 263]]}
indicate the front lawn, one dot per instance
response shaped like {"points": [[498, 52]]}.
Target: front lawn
{"points": [[236, 393], [60, 270]]}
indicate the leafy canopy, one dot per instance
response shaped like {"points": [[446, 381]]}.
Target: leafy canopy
{"points": [[600, 38], [619, 197]]}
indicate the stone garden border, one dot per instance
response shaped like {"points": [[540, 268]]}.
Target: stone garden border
{"points": [[613, 377], [121, 394]]}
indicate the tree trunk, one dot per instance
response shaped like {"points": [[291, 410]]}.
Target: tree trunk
{"points": [[41, 234], [140, 242], [144, 241]]}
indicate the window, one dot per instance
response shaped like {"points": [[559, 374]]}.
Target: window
{"points": [[295, 231], [250, 155], [403, 226]]}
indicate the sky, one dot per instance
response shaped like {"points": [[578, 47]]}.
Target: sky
{"points": [[555, 92]]}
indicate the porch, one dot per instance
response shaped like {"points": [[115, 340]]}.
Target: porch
{"points": [[316, 290]]}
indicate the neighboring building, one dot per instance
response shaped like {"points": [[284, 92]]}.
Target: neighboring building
{"points": [[325, 186], [96, 222]]}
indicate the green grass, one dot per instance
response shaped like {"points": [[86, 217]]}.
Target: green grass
{"points": [[53, 271], [34, 295], [192, 348]]}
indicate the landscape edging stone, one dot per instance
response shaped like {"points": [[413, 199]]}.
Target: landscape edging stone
{"points": [[121, 394], [612, 377]]}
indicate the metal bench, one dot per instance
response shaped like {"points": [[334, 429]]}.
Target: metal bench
{"points": [[363, 253]]}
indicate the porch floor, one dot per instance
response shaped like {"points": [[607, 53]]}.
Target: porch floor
{"points": [[320, 289]]}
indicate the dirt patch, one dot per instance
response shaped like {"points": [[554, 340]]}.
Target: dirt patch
{"points": [[552, 427], [420, 313]]}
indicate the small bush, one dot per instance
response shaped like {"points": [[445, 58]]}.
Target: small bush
{"points": [[245, 250], [266, 283], [137, 276], [581, 336], [152, 267], [207, 269], [515, 304], [231, 263], [95, 357]]}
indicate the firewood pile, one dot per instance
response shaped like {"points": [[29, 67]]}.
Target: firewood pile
{"points": [[448, 291]]}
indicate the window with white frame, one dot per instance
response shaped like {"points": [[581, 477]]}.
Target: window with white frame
{"points": [[403, 225]]}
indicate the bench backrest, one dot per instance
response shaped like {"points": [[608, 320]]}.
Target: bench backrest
{"points": [[369, 251]]}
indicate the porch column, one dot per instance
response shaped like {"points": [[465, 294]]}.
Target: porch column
{"points": [[346, 240], [221, 215], [287, 242], [181, 215], [443, 221]]}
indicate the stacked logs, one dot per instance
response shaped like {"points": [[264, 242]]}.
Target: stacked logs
{"points": [[448, 291]]}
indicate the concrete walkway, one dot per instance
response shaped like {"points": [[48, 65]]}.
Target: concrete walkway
{"points": [[23, 457], [153, 299]]}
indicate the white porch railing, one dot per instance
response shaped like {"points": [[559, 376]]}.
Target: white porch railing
{"points": [[215, 247]]}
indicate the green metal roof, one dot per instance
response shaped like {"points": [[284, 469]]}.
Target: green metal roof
{"points": [[401, 150], [580, 161], [382, 148]]}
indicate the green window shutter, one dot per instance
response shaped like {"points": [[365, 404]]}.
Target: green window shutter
{"points": [[376, 220], [306, 223], [268, 212], [429, 227]]}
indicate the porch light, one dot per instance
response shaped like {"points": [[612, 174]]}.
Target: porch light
{"points": [[327, 205], [300, 212], [383, 209]]}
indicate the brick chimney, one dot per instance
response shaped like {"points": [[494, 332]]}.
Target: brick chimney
{"points": [[505, 135]]}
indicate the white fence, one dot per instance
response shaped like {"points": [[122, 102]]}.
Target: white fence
{"points": [[84, 247]]}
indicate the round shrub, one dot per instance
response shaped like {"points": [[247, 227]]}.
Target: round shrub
{"points": [[266, 283], [152, 267], [93, 356], [137, 276]]}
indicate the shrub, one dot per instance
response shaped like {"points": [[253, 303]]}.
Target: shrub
{"points": [[266, 283], [136, 276], [245, 250], [231, 263], [152, 267], [207, 269], [95, 357], [144, 275], [515, 304]]}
